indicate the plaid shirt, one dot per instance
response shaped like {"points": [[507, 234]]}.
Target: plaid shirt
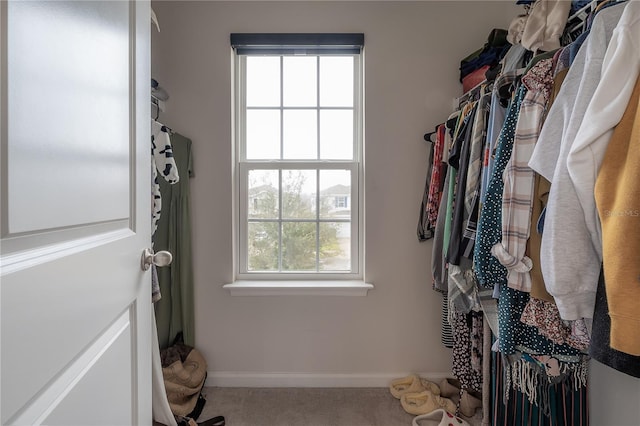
{"points": [[472, 192], [517, 196]]}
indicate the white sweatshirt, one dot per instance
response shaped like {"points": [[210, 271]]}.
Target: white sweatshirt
{"points": [[620, 70]]}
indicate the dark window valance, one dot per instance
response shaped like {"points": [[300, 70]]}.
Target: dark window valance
{"points": [[297, 43]]}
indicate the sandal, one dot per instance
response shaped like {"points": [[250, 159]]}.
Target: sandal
{"points": [[438, 417]]}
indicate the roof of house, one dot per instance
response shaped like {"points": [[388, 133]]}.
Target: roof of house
{"points": [[337, 190]]}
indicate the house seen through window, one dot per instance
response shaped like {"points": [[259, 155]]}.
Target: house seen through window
{"points": [[298, 125]]}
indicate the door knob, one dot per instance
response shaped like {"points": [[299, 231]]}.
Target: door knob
{"points": [[161, 258]]}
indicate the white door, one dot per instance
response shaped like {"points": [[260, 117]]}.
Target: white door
{"points": [[75, 191]]}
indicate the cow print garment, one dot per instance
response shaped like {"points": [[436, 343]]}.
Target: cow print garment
{"points": [[163, 164]]}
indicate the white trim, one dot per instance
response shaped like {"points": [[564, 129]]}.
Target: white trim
{"points": [[229, 379], [242, 167], [298, 288]]}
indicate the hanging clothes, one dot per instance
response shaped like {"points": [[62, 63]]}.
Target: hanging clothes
{"points": [[160, 404], [621, 66], [467, 350], [540, 194], [572, 284], [175, 312], [617, 196], [600, 348], [438, 266], [568, 406], [436, 180], [425, 226], [164, 165], [538, 245], [472, 190], [517, 197], [461, 287], [544, 25], [489, 271]]}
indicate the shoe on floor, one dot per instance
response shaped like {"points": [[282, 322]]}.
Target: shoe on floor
{"points": [[412, 384], [438, 417], [409, 384], [425, 402], [469, 403], [450, 388], [430, 386]]}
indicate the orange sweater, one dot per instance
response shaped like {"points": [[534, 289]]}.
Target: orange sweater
{"points": [[617, 194]]}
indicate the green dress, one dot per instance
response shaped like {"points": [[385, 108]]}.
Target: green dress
{"points": [[175, 310]]}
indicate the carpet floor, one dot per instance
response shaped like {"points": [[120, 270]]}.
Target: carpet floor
{"points": [[307, 407]]}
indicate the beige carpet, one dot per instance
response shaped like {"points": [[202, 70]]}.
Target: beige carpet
{"points": [[307, 407]]}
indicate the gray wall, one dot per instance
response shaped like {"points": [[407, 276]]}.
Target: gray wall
{"points": [[614, 398], [412, 54], [413, 50]]}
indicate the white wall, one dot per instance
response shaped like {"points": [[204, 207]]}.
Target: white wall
{"points": [[413, 50]]}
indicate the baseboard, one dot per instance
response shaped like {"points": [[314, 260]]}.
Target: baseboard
{"points": [[228, 379]]}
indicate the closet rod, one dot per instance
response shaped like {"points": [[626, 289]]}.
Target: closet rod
{"points": [[467, 94]]}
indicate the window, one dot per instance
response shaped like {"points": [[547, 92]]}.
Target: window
{"points": [[298, 135], [341, 202]]}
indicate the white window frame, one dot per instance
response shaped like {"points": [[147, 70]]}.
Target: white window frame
{"points": [[241, 171]]}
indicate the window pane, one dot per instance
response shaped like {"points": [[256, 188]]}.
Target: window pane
{"points": [[263, 81], [336, 81], [335, 194], [263, 194], [299, 246], [335, 246], [299, 108], [263, 246], [299, 194], [336, 134], [263, 134], [300, 81], [300, 135]]}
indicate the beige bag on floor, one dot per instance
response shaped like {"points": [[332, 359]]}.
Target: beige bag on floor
{"points": [[184, 370]]}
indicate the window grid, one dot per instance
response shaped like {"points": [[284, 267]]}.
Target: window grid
{"points": [[318, 201], [318, 111], [318, 165], [279, 197]]}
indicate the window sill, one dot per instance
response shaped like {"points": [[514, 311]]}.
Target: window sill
{"points": [[298, 288]]}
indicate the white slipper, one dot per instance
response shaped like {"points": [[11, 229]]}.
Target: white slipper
{"points": [[425, 402], [439, 417], [412, 384], [408, 384], [430, 386]]}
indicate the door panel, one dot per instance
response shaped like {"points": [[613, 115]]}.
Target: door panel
{"points": [[69, 113], [108, 379], [75, 305], [44, 329], [102, 373]]}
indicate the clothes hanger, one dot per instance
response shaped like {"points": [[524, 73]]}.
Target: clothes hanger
{"points": [[427, 136], [154, 20]]}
